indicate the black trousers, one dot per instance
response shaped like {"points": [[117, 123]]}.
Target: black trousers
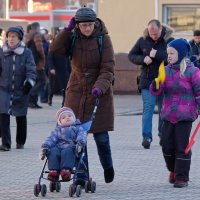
{"points": [[21, 130], [175, 138]]}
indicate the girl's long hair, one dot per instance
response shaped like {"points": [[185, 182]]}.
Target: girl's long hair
{"points": [[183, 66]]}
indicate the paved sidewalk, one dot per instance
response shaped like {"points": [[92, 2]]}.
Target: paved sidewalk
{"points": [[140, 173]]}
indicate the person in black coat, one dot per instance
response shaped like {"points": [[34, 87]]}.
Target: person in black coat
{"points": [[59, 72], [195, 48], [149, 51], [45, 43]]}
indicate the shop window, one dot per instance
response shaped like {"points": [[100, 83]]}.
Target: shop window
{"points": [[183, 18]]}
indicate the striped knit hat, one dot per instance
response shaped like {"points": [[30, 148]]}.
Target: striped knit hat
{"points": [[64, 110]]}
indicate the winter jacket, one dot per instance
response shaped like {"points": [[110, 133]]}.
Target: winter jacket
{"points": [[61, 64], [181, 94], [142, 49], [62, 137], [195, 50], [90, 68], [34, 42], [13, 77]]}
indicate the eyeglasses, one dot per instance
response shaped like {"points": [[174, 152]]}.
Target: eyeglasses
{"points": [[85, 25]]}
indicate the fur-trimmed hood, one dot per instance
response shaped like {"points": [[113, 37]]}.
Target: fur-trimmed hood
{"points": [[19, 49], [166, 34]]}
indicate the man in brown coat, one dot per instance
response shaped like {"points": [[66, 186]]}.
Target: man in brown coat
{"points": [[91, 78]]}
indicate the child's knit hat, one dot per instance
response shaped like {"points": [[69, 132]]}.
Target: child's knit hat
{"points": [[64, 110], [182, 47]]}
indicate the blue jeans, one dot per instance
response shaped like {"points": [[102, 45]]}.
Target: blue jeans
{"points": [[149, 102]]}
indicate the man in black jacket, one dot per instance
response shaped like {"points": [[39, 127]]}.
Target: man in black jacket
{"points": [[149, 51], [195, 48]]}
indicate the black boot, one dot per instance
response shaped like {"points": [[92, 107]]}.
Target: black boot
{"points": [[109, 174]]}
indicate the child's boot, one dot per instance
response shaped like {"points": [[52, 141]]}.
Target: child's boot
{"points": [[172, 178], [66, 175], [53, 175]]}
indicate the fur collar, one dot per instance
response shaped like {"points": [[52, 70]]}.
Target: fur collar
{"points": [[18, 50], [166, 32]]}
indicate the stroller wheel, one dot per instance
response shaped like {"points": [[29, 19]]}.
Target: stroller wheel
{"points": [[72, 189], [78, 190], [57, 186], [43, 190], [87, 186], [52, 186], [37, 189], [93, 186]]}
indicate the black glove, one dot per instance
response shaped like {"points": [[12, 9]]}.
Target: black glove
{"points": [[26, 88], [43, 153]]}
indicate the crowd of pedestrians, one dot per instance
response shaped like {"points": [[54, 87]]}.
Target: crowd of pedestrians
{"points": [[25, 68], [78, 62], [90, 77]]}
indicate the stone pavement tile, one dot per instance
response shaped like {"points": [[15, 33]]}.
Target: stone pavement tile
{"points": [[140, 174]]}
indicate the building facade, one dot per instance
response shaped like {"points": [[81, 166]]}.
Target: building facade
{"points": [[125, 19]]}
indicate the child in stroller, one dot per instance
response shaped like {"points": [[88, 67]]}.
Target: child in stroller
{"points": [[66, 153], [63, 144]]}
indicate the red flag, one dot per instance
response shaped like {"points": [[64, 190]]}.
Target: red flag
{"points": [[192, 139]]}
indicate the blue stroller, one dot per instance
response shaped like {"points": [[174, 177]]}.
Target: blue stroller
{"points": [[80, 168]]}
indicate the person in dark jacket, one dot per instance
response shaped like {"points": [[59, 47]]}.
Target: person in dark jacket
{"points": [[34, 43], [59, 72], [195, 48], [17, 77], [45, 43], [149, 51], [91, 78]]}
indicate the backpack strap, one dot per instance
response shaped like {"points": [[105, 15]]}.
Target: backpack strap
{"points": [[100, 43], [73, 40]]}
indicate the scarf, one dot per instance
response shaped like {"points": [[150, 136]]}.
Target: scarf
{"points": [[18, 49]]}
